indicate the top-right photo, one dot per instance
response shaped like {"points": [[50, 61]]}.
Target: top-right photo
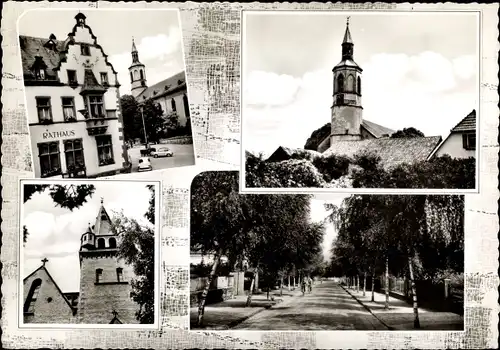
{"points": [[336, 101]]}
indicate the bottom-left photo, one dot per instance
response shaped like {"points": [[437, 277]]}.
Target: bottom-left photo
{"points": [[88, 254]]}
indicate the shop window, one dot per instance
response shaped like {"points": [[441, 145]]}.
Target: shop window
{"points": [[85, 49], [73, 150], [69, 112], [104, 150], [469, 141], [174, 108], [72, 80], [104, 79], [50, 164], [119, 274], [29, 305], [44, 110], [96, 106], [98, 275]]}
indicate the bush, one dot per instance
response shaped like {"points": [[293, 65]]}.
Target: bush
{"points": [[332, 167]]}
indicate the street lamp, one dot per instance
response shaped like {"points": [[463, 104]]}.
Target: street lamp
{"points": [[144, 126]]}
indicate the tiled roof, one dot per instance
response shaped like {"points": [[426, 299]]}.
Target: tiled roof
{"points": [[285, 153], [171, 83], [32, 47], [391, 151], [466, 124], [376, 129], [90, 83]]}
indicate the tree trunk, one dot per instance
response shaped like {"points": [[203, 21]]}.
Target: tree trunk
{"points": [[386, 287], [250, 292], [357, 283], [203, 299], [373, 284], [294, 281], [267, 297], [416, 321], [364, 284], [281, 286], [288, 282]]}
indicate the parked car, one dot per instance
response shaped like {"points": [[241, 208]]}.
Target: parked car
{"points": [[161, 152], [144, 164]]}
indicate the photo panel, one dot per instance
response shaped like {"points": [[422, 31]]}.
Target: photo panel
{"points": [[104, 100], [360, 101], [303, 262], [89, 254]]}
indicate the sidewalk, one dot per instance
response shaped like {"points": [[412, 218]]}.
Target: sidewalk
{"points": [[400, 314], [229, 313]]}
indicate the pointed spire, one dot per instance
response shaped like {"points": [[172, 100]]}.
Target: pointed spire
{"points": [[135, 53], [347, 35], [134, 49]]}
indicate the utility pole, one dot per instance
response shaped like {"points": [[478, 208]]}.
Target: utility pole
{"points": [[144, 126]]}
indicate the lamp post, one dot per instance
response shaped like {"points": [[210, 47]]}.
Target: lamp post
{"points": [[144, 126]]}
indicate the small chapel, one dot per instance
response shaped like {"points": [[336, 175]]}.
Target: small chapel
{"points": [[350, 133], [104, 293]]}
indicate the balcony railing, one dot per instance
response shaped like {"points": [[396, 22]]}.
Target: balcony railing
{"points": [[96, 125]]}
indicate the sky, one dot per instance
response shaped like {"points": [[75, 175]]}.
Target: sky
{"points": [[55, 232], [157, 36], [318, 214], [419, 70]]}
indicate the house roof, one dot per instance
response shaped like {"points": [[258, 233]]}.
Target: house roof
{"points": [[164, 87], [391, 151], [466, 124], [283, 153], [42, 267], [50, 50], [90, 83]]}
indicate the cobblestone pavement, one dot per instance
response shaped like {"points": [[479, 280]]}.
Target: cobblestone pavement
{"points": [[328, 307]]}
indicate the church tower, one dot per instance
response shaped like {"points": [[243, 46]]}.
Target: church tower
{"points": [[137, 73], [347, 112], [104, 277]]}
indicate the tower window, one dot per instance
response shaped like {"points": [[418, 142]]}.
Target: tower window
{"points": [[350, 83], [98, 275], [29, 305], [131, 77], [112, 242], [340, 83], [100, 243], [119, 274], [359, 86], [85, 50], [142, 74], [136, 75]]}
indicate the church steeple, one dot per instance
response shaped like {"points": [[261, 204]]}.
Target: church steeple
{"points": [[135, 53], [347, 44], [137, 73]]}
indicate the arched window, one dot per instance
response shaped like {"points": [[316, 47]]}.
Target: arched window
{"points": [[340, 83], [112, 242], [100, 243], [142, 74], [173, 106], [359, 85], [350, 83], [29, 304], [98, 275], [131, 77], [186, 105], [136, 75]]}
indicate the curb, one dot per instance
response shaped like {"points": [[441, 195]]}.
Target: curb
{"points": [[368, 309]]}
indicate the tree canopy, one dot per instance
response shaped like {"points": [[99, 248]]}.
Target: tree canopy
{"points": [[408, 132]]}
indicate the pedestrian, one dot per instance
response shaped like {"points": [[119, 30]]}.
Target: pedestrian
{"points": [[309, 283], [303, 285]]}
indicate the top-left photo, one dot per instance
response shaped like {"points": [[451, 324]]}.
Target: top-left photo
{"points": [[106, 91]]}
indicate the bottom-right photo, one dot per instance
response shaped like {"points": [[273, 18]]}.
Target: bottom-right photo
{"points": [[324, 261]]}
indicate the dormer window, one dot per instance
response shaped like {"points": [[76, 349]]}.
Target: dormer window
{"points": [[40, 74], [85, 49]]}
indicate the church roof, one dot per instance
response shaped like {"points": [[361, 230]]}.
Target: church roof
{"points": [[375, 129], [347, 36], [164, 88], [102, 225], [32, 47], [466, 124], [134, 49], [285, 153], [392, 151]]}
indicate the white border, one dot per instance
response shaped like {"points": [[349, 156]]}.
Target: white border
{"points": [[85, 10], [157, 255], [313, 190]]}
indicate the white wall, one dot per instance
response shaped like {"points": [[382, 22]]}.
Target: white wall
{"points": [[453, 146]]}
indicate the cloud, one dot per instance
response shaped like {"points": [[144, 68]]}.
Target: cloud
{"points": [[427, 91], [39, 224]]}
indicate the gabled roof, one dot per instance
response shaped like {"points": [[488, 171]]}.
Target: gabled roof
{"points": [[466, 124], [115, 320], [164, 87], [376, 130], [285, 153], [90, 83], [42, 267], [391, 151], [32, 47]]}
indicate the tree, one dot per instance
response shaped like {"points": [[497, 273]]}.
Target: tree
{"points": [[150, 214], [317, 137], [172, 124], [132, 120], [153, 120], [407, 132]]}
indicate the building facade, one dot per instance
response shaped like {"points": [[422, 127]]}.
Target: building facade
{"points": [[104, 294], [170, 94], [72, 100], [461, 142]]}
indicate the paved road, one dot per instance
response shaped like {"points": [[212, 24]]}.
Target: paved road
{"points": [[328, 307], [183, 155]]}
